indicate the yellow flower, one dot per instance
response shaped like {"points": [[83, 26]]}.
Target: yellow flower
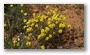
{"points": [[56, 9], [54, 18], [33, 20], [29, 29], [36, 20], [50, 35], [30, 34], [28, 38], [56, 22], [42, 30], [39, 36], [41, 20], [28, 43], [48, 13], [36, 25], [21, 11], [59, 19], [47, 7], [43, 34], [32, 24], [28, 23], [43, 17], [49, 22], [21, 5], [42, 47], [60, 31], [24, 27], [54, 12], [54, 32], [14, 41], [25, 14], [64, 18], [18, 44], [34, 15], [38, 16], [47, 29], [52, 25], [5, 25], [51, 10], [24, 20], [11, 5], [61, 25], [47, 38], [49, 19], [69, 26]]}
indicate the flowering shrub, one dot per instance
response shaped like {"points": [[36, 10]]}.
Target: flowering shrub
{"points": [[45, 27]]}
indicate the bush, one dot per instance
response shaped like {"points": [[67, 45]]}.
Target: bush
{"points": [[44, 28]]}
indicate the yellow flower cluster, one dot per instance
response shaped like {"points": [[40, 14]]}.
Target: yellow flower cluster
{"points": [[21, 5], [24, 20], [54, 32], [69, 26], [60, 31], [4, 25], [11, 5], [36, 25], [25, 14], [42, 30], [48, 37], [47, 29], [42, 47], [18, 43], [47, 7], [14, 41], [29, 29], [61, 25], [45, 26], [22, 11], [28, 43], [28, 37], [52, 25], [41, 35]]}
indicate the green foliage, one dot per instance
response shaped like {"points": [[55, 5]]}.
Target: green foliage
{"points": [[13, 20]]}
